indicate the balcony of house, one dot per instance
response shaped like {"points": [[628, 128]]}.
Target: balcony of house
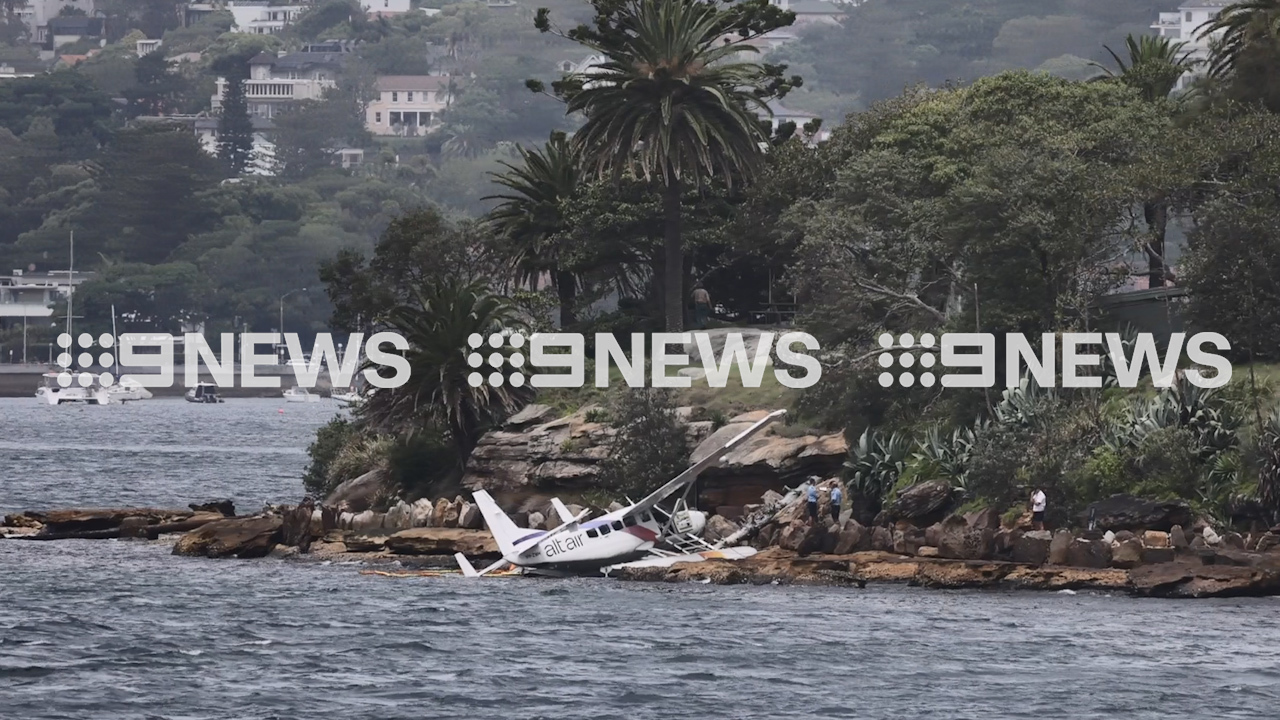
{"points": [[275, 90], [1169, 25]]}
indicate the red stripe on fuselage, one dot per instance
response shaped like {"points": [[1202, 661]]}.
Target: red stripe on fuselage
{"points": [[643, 533]]}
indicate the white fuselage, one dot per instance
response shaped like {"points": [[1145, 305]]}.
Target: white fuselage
{"points": [[611, 538]]}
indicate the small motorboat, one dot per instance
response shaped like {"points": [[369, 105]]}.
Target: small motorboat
{"points": [[53, 392], [300, 394], [347, 397], [204, 393], [127, 390]]}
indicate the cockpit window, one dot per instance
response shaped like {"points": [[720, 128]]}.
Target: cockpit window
{"points": [[617, 524], [629, 520], [592, 533]]}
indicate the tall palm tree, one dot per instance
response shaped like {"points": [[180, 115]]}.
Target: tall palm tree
{"points": [[1154, 66], [530, 216], [438, 326], [1242, 24], [670, 102]]}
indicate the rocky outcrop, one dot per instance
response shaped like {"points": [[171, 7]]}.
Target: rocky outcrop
{"points": [[533, 453], [358, 494], [767, 461], [1196, 580], [248, 537], [443, 541], [1125, 512], [97, 524], [922, 504], [959, 540]]}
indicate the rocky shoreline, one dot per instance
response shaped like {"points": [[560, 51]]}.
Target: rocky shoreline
{"points": [[966, 552]]}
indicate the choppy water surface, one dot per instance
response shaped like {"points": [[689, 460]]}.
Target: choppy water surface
{"points": [[105, 629]]}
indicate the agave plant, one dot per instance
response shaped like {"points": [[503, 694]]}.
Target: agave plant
{"points": [[946, 455], [1026, 405], [1269, 471], [875, 463]]}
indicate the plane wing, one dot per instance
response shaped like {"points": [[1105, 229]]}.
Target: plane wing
{"points": [[712, 460], [571, 524], [561, 510]]}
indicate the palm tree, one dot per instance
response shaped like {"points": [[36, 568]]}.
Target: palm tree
{"points": [[1154, 66], [669, 101], [1242, 24], [438, 326], [529, 218]]}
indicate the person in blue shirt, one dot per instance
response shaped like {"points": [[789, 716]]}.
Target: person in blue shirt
{"points": [[836, 496], [813, 502]]}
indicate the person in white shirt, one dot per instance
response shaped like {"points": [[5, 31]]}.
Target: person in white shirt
{"points": [[1038, 503]]}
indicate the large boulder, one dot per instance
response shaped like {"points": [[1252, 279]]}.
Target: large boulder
{"points": [[398, 516], [853, 537], [987, 518], [249, 537], [718, 528], [1127, 555], [1089, 553], [803, 538], [908, 540], [1125, 512], [359, 493], [882, 539], [536, 452], [226, 508], [959, 541], [1032, 547], [296, 527], [443, 541], [470, 518], [1059, 547], [923, 504], [421, 513]]}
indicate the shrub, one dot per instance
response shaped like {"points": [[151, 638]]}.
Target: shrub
{"points": [[330, 440], [650, 446]]}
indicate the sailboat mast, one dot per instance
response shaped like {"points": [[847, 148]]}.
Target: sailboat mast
{"points": [[115, 342], [71, 286]]}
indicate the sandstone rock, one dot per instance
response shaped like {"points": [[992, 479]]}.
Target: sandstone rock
{"points": [[853, 537], [1059, 548], [1211, 537], [882, 539], [908, 541], [439, 511], [1089, 554], [1032, 548], [536, 520], [933, 534], [1127, 554], [923, 503], [1198, 543], [1004, 542], [986, 518], [1188, 580], [718, 528], [927, 552], [250, 537], [295, 530], [1233, 540], [1158, 555], [346, 520], [365, 543], [1123, 535], [359, 493], [443, 541], [398, 516], [765, 537], [470, 517], [85, 522], [1125, 512], [770, 497], [1268, 542], [615, 506], [226, 508], [1177, 538], [1155, 539], [960, 541], [530, 414], [421, 513], [802, 538], [366, 521]]}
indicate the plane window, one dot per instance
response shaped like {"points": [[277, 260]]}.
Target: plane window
{"points": [[645, 517], [628, 521], [592, 533], [617, 524], [604, 529]]}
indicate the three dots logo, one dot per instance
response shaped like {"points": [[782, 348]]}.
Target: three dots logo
{"points": [[907, 342], [496, 359], [85, 359]]}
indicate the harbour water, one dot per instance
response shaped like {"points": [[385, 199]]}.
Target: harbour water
{"points": [[121, 629]]}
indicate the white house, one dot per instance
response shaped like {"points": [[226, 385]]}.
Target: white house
{"points": [[146, 47], [408, 104], [263, 19], [385, 7], [1185, 25], [812, 12], [275, 81], [783, 114], [36, 14]]}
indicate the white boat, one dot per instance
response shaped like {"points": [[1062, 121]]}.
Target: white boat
{"points": [[51, 392], [204, 393], [300, 394], [347, 397], [128, 390]]}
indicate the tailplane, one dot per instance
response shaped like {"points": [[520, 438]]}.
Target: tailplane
{"points": [[505, 532]]}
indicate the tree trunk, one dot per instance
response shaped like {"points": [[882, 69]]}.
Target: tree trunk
{"points": [[567, 290], [673, 258], [1157, 216]]}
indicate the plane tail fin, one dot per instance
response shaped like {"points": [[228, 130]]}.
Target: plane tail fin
{"points": [[505, 532]]}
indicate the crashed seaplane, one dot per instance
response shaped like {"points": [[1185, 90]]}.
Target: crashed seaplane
{"points": [[642, 534]]}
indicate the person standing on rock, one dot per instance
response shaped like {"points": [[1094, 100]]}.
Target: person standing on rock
{"points": [[701, 305], [1038, 503], [836, 496], [813, 502]]}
